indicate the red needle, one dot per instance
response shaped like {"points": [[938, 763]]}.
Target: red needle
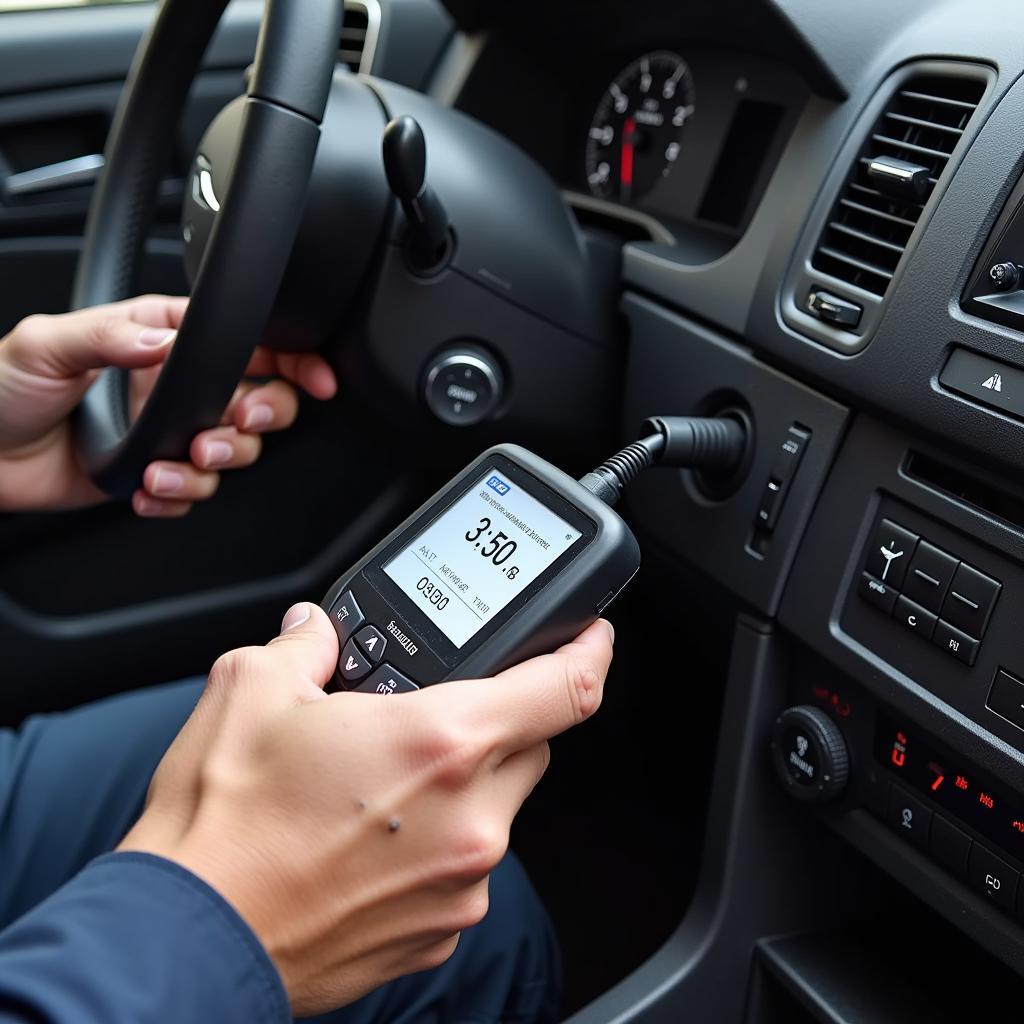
{"points": [[626, 171]]}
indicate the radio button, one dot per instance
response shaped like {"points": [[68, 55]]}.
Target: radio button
{"points": [[890, 553], [909, 817], [387, 680], [1006, 698], [971, 598], [956, 644], [346, 616], [929, 575], [371, 642], [353, 664], [915, 618], [992, 877]]}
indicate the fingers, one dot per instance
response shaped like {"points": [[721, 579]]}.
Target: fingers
{"points": [[540, 698], [307, 646], [225, 448], [306, 370], [309, 372], [60, 347], [263, 408], [179, 482], [518, 775], [146, 506], [157, 310]]}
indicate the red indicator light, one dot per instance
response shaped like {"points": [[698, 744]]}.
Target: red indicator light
{"points": [[899, 750], [939, 779], [841, 707], [962, 783], [1018, 825], [985, 800]]}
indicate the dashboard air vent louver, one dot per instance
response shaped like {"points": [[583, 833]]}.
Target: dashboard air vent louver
{"points": [[354, 31], [868, 228]]}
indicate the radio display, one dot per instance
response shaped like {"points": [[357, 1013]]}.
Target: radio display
{"points": [[968, 794], [480, 554]]}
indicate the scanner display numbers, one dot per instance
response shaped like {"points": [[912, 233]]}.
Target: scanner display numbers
{"points": [[498, 549], [435, 595], [479, 554]]}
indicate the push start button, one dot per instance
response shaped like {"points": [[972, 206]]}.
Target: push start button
{"points": [[463, 387]]}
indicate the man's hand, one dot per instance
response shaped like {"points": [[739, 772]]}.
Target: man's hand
{"points": [[355, 832], [48, 362]]}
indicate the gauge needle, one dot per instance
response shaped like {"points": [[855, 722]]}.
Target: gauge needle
{"points": [[626, 170]]}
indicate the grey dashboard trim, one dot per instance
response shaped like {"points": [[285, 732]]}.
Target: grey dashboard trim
{"points": [[455, 67], [373, 19], [616, 211], [722, 291]]}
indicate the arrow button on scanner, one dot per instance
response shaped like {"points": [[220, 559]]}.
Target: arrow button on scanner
{"points": [[352, 665]]}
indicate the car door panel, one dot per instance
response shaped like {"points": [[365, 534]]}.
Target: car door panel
{"points": [[96, 601]]}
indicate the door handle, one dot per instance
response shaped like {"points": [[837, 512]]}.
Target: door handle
{"points": [[81, 170]]}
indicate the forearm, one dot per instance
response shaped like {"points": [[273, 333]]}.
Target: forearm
{"points": [[135, 939]]}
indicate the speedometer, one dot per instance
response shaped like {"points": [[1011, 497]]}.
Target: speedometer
{"points": [[638, 126]]}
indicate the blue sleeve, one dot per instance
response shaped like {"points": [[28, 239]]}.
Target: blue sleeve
{"points": [[135, 939]]}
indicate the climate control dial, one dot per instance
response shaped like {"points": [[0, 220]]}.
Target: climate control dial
{"points": [[810, 754]]}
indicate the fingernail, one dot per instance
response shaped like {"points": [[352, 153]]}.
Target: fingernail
{"points": [[145, 505], [259, 416], [611, 630], [218, 453], [154, 337], [168, 481], [294, 617]]}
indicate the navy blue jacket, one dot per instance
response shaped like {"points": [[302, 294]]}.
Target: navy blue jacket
{"points": [[97, 952]]}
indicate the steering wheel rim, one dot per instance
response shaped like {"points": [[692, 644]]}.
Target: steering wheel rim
{"points": [[234, 290]]}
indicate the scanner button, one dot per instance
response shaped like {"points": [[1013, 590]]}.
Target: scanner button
{"points": [[346, 616], [387, 680], [353, 664], [371, 642]]}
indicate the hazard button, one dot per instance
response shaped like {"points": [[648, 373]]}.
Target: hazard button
{"points": [[987, 380]]}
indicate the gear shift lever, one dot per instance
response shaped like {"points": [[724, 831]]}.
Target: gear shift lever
{"points": [[405, 163]]}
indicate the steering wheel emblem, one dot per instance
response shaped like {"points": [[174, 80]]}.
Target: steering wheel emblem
{"points": [[202, 184]]}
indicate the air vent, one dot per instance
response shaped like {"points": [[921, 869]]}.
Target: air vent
{"points": [[355, 31], [870, 225]]}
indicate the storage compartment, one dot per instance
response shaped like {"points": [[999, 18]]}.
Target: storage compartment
{"points": [[906, 965]]}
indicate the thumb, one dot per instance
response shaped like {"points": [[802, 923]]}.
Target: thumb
{"points": [[308, 645], [61, 347]]}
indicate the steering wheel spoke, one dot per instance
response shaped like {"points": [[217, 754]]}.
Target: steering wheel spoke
{"points": [[251, 242]]}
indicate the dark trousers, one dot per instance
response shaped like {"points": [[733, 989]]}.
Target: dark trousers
{"points": [[72, 784]]}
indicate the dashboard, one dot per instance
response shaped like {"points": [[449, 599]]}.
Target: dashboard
{"points": [[821, 225], [673, 144]]}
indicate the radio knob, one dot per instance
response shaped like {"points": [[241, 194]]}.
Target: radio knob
{"points": [[463, 387], [810, 754]]}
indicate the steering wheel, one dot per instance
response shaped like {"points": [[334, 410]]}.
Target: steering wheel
{"points": [[249, 248]]}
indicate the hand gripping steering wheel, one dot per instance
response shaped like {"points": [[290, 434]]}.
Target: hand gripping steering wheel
{"points": [[248, 251]]}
